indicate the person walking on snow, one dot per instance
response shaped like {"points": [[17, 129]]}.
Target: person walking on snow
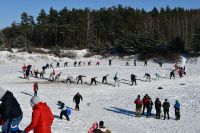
{"points": [[10, 112], [133, 79], [177, 110], [172, 74], [77, 99], [42, 117], [35, 88], [166, 106], [145, 63], [66, 64], [58, 64], [138, 107], [158, 108], [116, 79]]}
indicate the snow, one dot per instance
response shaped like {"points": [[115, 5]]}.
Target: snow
{"points": [[113, 105]]}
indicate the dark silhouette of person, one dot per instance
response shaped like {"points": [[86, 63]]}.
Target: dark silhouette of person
{"points": [[105, 79]]}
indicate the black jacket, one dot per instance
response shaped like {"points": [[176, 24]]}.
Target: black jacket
{"points": [[77, 98], [158, 105], [10, 108], [166, 105]]}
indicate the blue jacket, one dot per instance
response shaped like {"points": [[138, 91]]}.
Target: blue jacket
{"points": [[68, 111], [177, 105]]}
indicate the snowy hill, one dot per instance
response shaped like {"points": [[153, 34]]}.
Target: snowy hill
{"points": [[114, 105]]}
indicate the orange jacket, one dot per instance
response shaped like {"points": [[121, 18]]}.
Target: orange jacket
{"points": [[42, 119]]}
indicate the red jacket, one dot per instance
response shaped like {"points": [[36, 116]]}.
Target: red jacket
{"points": [[35, 87], [145, 100], [138, 102], [42, 119]]}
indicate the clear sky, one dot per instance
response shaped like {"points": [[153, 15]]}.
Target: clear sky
{"points": [[10, 10]]}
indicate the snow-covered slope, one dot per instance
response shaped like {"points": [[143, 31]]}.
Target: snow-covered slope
{"points": [[113, 105]]}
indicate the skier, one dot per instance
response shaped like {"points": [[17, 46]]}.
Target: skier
{"points": [[134, 62], [41, 74], [58, 64], [35, 88], [79, 78], [133, 79], [177, 110], [66, 112], [116, 79], [42, 117], [149, 107], [10, 112], [110, 62], [166, 106], [66, 64], [172, 74], [93, 80], [158, 108], [138, 109], [75, 64], [148, 77], [77, 99], [145, 102], [79, 64], [89, 63], [105, 79], [94, 128], [145, 63]]}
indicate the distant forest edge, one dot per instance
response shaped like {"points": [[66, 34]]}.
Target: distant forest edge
{"points": [[115, 30]]}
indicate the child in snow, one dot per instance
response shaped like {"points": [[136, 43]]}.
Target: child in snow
{"points": [[138, 107], [35, 88], [65, 112], [177, 110]]}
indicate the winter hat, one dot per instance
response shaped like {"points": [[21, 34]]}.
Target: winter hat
{"points": [[2, 92], [101, 124], [34, 100]]}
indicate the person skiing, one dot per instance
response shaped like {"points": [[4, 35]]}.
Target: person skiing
{"points": [[105, 79], [65, 112], [166, 106], [145, 102], [148, 77], [177, 110], [77, 99], [138, 107], [116, 79], [110, 62], [58, 64], [158, 108], [134, 62], [133, 79], [66, 64], [79, 78], [93, 80], [10, 112], [172, 74], [42, 117], [94, 128], [145, 63], [35, 88], [149, 107], [57, 77]]}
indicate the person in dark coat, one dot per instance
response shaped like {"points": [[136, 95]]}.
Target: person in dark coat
{"points": [[133, 79], [28, 71], [51, 65], [75, 64], [66, 64], [145, 63], [93, 80], [110, 62], [77, 99], [79, 64], [65, 112], [172, 74], [79, 78], [166, 106], [89, 63], [177, 110], [105, 79], [149, 107], [134, 62], [58, 64], [147, 76], [47, 66], [10, 112], [158, 108]]}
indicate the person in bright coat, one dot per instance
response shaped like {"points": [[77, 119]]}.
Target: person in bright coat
{"points": [[177, 110], [35, 88], [138, 103], [94, 128], [42, 117]]}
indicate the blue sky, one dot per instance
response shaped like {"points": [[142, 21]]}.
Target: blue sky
{"points": [[10, 10]]}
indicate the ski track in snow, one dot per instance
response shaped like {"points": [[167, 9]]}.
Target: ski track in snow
{"points": [[114, 105]]}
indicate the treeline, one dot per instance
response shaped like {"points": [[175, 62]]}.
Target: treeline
{"points": [[108, 30]]}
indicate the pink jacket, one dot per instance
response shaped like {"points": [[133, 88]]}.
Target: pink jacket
{"points": [[94, 126]]}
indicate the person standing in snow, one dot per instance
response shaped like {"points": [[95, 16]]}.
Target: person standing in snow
{"points": [[51, 77], [158, 108], [105, 79], [75, 64], [148, 77], [89, 63], [145, 102], [79, 78], [97, 64], [66, 64], [35, 88], [79, 64], [116, 79], [47, 66], [110, 62], [138, 103], [133, 79], [77, 99], [58, 64], [149, 107], [127, 63], [145, 63], [134, 62], [166, 106], [177, 110], [51, 65], [172, 74], [42, 117], [10, 111]]}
